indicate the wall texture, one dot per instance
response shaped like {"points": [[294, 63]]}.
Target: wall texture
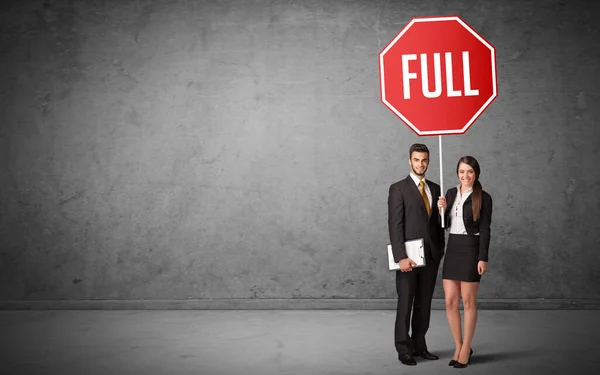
{"points": [[231, 150]]}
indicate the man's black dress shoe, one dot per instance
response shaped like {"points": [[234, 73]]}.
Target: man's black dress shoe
{"points": [[425, 354], [407, 359], [453, 362]]}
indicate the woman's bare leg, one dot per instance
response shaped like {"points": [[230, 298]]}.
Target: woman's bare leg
{"points": [[452, 297], [469, 297]]}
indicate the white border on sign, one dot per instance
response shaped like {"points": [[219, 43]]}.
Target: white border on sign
{"points": [[469, 29]]}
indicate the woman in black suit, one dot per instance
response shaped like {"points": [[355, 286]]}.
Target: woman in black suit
{"points": [[469, 217]]}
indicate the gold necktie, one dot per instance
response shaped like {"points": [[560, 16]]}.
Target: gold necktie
{"points": [[424, 195]]}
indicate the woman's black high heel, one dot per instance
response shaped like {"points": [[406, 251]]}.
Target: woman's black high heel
{"points": [[453, 362]]}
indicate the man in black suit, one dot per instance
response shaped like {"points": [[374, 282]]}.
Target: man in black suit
{"points": [[413, 214]]}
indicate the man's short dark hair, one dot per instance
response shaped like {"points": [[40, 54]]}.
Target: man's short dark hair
{"points": [[417, 147]]}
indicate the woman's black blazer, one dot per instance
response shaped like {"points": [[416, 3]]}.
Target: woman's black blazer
{"points": [[481, 226]]}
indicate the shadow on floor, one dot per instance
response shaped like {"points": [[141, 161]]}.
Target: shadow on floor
{"points": [[444, 353], [496, 356]]}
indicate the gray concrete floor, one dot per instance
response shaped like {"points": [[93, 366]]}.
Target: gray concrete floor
{"points": [[286, 342]]}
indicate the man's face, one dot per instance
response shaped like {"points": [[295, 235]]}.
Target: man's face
{"points": [[419, 161]]}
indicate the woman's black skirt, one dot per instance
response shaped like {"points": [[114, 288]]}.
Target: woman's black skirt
{"points": [[461, 258]]}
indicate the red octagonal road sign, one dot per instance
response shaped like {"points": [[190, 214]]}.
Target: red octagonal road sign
{"points": [[438, 75]]}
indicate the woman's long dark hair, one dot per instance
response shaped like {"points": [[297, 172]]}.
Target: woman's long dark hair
{"points": [[477, 188]]}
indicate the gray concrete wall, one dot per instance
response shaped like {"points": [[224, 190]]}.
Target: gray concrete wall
{"points": [[197, 150]]}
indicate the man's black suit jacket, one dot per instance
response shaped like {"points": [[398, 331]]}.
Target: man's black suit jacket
{"points": [[408, 220]]}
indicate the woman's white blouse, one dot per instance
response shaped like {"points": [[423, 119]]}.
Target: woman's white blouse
{"points": [[457, 225]]}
